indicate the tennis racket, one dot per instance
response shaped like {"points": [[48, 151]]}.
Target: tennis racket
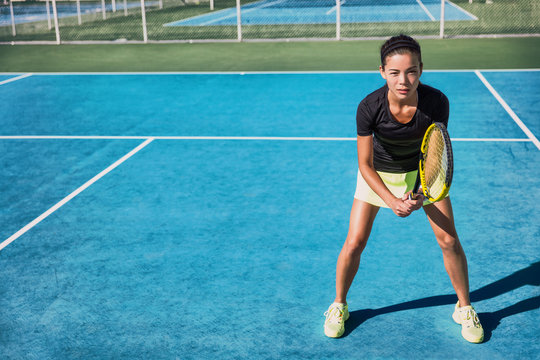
{"points": [[436, 164]]}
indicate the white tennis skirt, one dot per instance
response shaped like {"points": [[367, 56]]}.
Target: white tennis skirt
{"points": [[398, 184]]}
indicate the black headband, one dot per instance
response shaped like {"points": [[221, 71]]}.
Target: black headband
{"points": [[399, 44]]}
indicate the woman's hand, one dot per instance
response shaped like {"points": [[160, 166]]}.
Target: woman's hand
{"points": [[404, 207], [417, 202]]}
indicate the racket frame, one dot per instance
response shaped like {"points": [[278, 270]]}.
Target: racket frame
{"points": [[421, 177]]}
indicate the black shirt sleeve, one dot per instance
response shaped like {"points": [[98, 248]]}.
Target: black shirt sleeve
{"points": [[369, 110], [364, 120], [442, 111]]}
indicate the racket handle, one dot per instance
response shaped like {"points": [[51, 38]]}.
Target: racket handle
{"points": [[414, 192]]}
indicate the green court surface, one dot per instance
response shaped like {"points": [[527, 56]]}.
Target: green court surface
{"points": [[509, 53]]}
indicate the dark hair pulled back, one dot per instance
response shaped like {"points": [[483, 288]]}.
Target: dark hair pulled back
{"points": [[400, 44]]}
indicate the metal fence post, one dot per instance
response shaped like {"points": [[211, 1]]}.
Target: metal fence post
{"points": [[12, 18], [143, 14], [338, 19], [56, 28], [238, 20], [104, 9], [49, 25], [441, 35], [79, 20]]}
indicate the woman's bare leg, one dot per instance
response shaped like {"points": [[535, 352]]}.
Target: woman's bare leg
{"points": [[441, 218], [360, 224]]}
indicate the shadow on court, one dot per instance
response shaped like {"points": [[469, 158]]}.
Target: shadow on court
{"points": [[490, 320]]}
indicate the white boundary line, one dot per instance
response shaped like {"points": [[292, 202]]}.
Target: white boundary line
{"points": [[322, 72], [507, 70], [508, 109], [461, 9], [62, 202], [210, 14], [245, 10], [425, 10], [490, 140], [341, 2], [197, 16], [237, 138], [107, 137], [128, 73], [15, 78], [72, 137], [264, 138], [231, 12]]}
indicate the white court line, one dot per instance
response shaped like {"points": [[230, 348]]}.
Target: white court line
{"points": [[508, 109], [72, 137], [15, 78], [490, 140], [211, 21], [425, 9], [335, 7], [107, 137], [243, 12], [237, 138], [264, 138], [507, 70], [210, 14], [314, 72], [462, 10], [196, 17], [37, 220]]}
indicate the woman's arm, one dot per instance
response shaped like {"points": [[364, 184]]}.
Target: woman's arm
{"points": [[401, 206]]}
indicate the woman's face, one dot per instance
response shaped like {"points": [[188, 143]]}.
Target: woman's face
{"points": [[402, 74]]}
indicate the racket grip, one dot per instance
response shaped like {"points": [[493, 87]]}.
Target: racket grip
{"points": [[414, 192]]}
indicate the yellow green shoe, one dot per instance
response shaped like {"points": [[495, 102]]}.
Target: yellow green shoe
{"points": [[334, 325], [471, 329]]}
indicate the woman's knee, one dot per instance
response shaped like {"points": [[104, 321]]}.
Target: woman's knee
{"points": [[448, 242], [355, 244]]}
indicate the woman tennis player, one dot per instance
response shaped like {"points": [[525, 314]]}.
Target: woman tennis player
{"points": [[391, 123]]}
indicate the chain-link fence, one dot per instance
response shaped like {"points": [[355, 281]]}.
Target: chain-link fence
{"points": [[235, 20]]}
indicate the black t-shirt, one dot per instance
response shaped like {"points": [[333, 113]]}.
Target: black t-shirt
{"points": [[396, 146]]}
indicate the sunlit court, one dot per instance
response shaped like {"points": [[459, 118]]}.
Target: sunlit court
{"points": [[180, 215], [314, 12]]}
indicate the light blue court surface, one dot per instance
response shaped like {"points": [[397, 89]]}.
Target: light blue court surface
{"points": [[324, 12], [200, 216]]}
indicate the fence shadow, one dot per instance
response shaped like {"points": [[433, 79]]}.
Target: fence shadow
{"points": [[490, 320]]}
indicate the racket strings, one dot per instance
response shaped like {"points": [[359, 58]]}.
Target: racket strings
{"points": [[435, 163]]}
